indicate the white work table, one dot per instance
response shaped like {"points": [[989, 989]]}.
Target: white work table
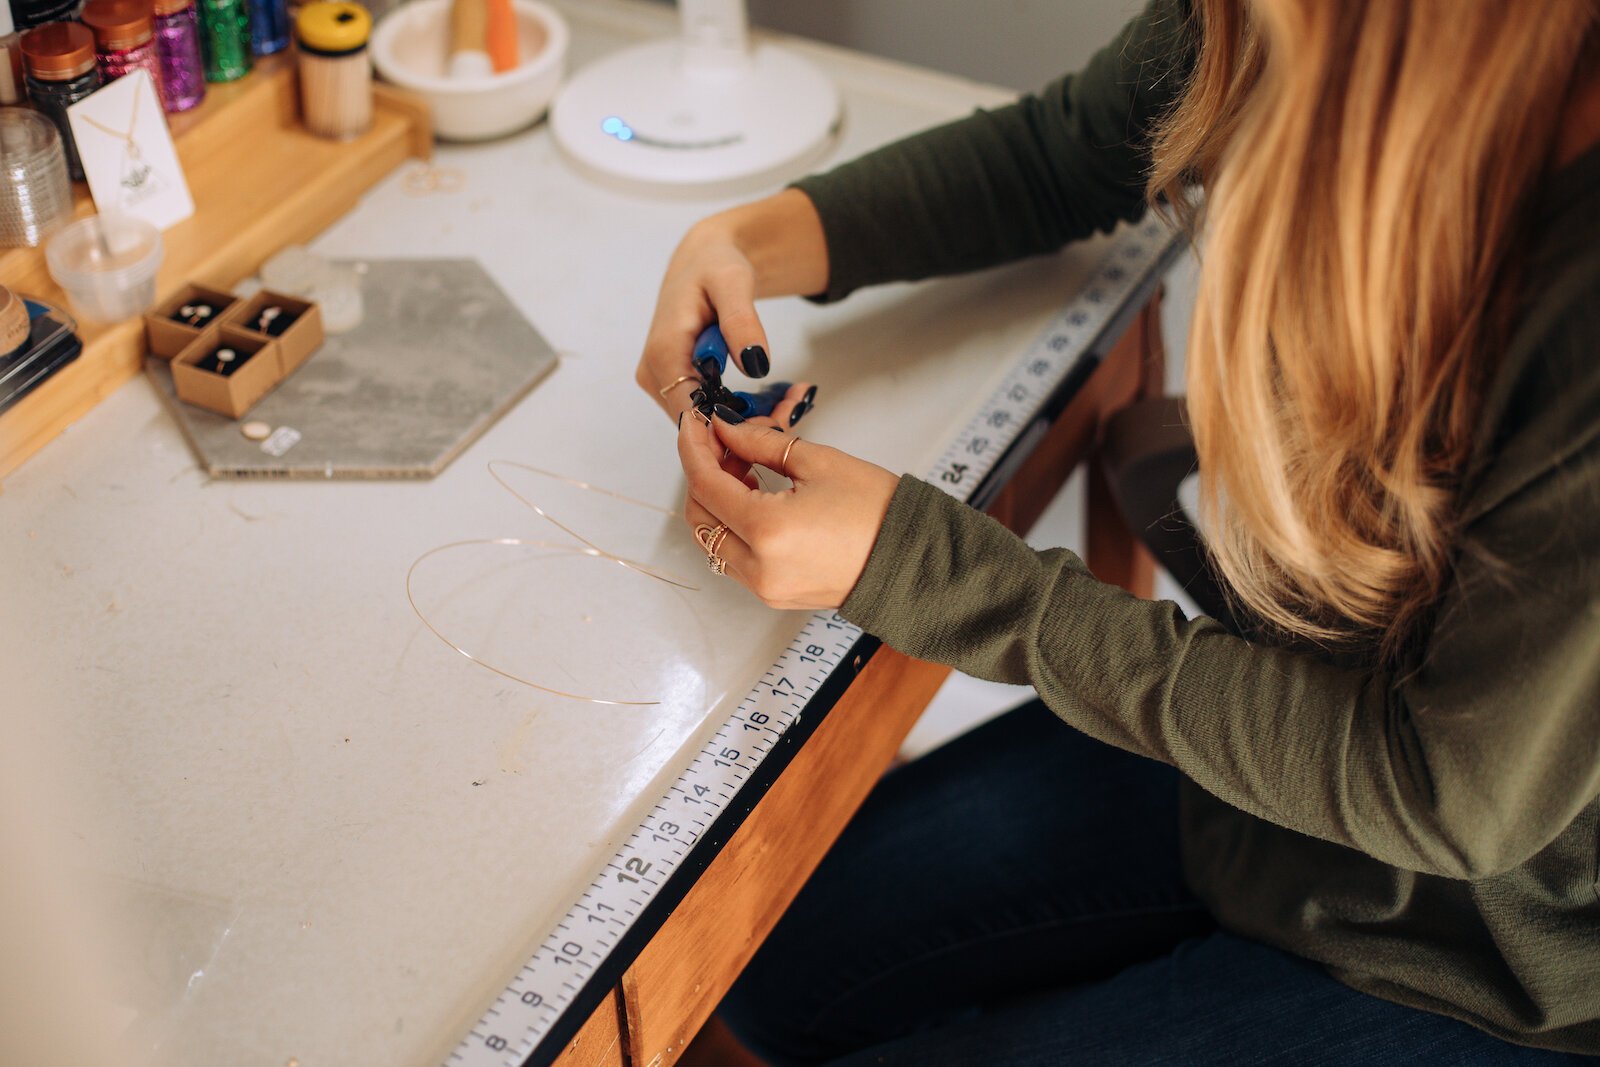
{"points": [[353, 833]]}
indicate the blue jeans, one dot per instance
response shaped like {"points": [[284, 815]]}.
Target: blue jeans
{"points": [[1015, 897]]}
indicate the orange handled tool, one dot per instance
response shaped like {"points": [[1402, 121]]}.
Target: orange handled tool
{"points": [[503, 51]]}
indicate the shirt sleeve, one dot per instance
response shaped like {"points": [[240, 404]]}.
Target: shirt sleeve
{"points": [[1464, 766], [1015, 181]]}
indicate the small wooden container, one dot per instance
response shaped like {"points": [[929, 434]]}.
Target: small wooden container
{"points": [[227, 394], [15, 326], [335, 76]]}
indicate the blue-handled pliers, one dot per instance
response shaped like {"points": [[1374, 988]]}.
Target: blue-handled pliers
{"points": [[711, 362]]}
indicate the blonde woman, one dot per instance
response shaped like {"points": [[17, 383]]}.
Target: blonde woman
{"points": [[1367, 829]]}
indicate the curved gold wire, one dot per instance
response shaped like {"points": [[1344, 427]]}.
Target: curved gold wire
{"points": [[589, 549], [485, 664], [552, 520]]}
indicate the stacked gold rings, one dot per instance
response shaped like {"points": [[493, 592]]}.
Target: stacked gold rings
{"points": [[711, 538]]}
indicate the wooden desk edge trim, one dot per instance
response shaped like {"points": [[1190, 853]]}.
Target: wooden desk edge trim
{"points": [[664, 991]]}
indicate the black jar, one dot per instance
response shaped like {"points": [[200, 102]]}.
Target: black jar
{"points": [[60, 71]]}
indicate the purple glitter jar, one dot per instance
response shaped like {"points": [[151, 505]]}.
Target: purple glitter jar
{"points": [[183, 76]]}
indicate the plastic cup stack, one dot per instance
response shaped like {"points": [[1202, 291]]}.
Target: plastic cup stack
{"points": [[36, 196], [107, 265]]}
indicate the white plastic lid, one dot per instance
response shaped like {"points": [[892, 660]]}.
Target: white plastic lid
{"points": [[119, 249]]}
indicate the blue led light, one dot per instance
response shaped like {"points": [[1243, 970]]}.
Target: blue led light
{"points": [[617, 128]]}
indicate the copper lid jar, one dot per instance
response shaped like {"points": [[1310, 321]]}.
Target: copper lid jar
{"points": [[60, 51], [60, 61], [118, 25], [124, 33]]}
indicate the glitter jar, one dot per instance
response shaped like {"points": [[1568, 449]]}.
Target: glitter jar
{"points": [[183, 75], [335, 77], [269, 26], [124, 39], [225, 38], [60, 71]]}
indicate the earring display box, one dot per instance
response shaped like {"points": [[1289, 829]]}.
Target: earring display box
{"points": [[294, 323], [174, 325], [227, 370]]}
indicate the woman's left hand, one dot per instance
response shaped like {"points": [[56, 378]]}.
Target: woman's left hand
{"points": [[803, 548]]}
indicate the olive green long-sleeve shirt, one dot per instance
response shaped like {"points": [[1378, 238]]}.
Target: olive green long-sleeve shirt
{"points": [[1429, 833]]}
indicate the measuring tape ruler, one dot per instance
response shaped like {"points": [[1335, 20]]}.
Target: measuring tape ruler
{"points": [[1017, 413], [570, 973]]}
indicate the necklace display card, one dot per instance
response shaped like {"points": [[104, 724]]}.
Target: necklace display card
{"points": [[128, 156]]}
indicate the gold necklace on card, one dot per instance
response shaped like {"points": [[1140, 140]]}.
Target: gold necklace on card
{"points": [[135, 171]]}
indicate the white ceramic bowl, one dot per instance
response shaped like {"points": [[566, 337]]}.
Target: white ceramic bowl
{"points": [[409, 46]]}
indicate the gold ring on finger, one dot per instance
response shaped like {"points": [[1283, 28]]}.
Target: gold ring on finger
{"points": [[719, 535], [679, 380]]}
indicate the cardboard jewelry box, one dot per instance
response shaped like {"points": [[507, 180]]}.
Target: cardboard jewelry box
{"points": [[167, 337], [299, 339], [227, 394]]}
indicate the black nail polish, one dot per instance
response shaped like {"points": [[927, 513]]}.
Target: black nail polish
{"points": [[728, 415], [809, 400], [755, 361], [680, 420], [799, 412]]}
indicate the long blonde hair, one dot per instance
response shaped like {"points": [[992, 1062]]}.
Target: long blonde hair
{"points": [[1367, 163]]}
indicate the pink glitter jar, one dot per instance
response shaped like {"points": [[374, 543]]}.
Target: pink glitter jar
{"points": [[124, 39]]}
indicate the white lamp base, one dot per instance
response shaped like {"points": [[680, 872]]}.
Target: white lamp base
{"points": [[644, 117]]}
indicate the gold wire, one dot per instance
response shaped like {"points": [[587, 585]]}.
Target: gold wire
{"points": [[485, 664], [589, 549], [552, 520]]}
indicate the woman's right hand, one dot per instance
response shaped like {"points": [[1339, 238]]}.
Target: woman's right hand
{"points": [[772, 247]]}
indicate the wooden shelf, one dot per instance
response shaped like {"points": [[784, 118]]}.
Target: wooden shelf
{"points": [[259, 182]]}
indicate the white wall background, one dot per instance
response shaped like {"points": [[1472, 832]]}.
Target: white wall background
{"points": [[1022, 44]]}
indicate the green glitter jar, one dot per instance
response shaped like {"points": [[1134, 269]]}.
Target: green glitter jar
{"points": [[225, 38]]}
